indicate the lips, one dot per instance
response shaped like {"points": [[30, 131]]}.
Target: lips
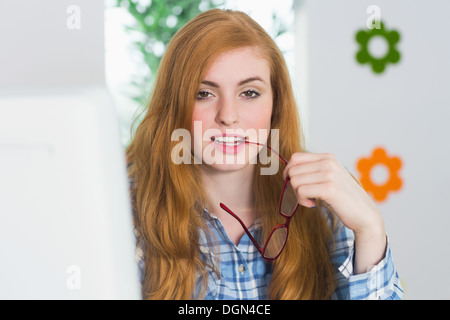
{"points": [[230, 144], [228, 140]]}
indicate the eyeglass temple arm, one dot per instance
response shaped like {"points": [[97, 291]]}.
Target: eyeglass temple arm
{"points": [[255, 243], [263, 145]]}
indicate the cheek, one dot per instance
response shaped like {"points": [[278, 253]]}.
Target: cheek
{"points": [[197, 114], [201, 120], [260, 118], [204, 114]]}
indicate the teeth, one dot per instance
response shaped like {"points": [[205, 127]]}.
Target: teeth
{"points": [[228, 140]]}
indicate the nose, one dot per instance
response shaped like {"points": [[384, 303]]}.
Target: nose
{"points": [[227, 113]]}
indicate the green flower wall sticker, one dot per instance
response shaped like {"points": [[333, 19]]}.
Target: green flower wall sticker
{"points": [[391, 37]]}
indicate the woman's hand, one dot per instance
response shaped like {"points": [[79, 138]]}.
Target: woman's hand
{"points": [[321, 176]]}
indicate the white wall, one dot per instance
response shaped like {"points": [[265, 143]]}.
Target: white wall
{"points": [[350, 110], [44, 44]]}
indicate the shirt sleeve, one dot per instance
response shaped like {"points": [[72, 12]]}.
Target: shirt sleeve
{"points": [[381, 282]]}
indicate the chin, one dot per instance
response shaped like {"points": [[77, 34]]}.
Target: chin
{"points": [[228, 167], [228, 162]]}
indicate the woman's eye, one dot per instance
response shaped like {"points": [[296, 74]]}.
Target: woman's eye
{"points": [[250, 94], [203, 95]]}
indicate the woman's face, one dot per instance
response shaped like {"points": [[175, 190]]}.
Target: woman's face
{"points": [[233, 104]]}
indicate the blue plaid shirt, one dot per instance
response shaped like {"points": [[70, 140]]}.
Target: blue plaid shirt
{"points": [[245, 275]]}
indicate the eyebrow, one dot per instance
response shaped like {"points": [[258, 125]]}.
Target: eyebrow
{"points": [[241, 83]]}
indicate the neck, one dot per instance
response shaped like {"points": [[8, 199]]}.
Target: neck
{"points": [[235, 190]]}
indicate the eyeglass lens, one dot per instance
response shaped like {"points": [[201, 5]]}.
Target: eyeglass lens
{"points": [[289, 201], [275, 243], [278, 237]]}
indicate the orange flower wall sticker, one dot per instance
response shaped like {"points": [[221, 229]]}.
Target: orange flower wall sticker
{"points": [[392, 183]]}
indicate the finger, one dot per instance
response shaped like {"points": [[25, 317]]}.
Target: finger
{"points": [[317, 177], [315, 164], [306, 193], [299, 181], [302, 168], [310, 203], [302, 157]]}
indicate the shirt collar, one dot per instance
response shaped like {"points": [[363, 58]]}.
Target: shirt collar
{"points": [[211, 216]]}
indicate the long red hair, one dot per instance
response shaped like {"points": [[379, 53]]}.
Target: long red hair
{"points": [[166, 196]]}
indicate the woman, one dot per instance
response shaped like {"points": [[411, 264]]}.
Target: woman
{"points": [[202, 222]]}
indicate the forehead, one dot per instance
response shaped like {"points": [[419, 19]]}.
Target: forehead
{"points": [[238, 63]]}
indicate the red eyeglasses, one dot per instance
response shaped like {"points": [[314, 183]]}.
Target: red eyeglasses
{"points": [[287, 207]]}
